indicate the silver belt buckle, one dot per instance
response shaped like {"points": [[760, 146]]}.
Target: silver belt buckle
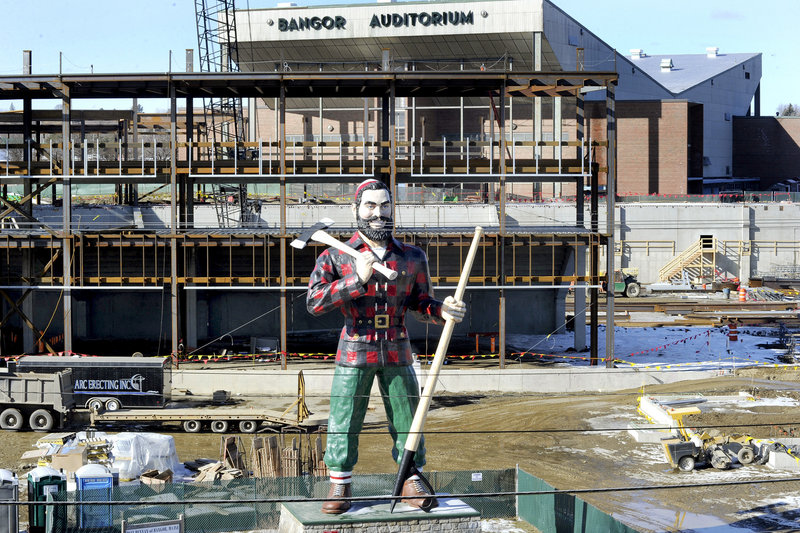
{"points": [[381, 321]]}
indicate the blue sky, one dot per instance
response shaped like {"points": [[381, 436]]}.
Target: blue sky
{"points": [[136, 35]]}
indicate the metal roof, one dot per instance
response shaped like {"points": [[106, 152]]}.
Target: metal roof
{"points": [[688, 70], [309, 84]]}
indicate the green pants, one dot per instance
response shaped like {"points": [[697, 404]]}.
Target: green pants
{"points": [[349, 398]]}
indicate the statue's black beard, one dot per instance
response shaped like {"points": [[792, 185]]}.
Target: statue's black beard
{"points": [[377, 235]]}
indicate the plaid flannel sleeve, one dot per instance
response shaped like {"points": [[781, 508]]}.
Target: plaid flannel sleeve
{"points": [[333, 283], [423, 306]]}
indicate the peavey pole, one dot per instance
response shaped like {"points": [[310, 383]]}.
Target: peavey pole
{"points": [[407, 466]]}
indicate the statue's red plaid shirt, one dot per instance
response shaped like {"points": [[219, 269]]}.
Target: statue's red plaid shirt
{"points": [[374, 333]]}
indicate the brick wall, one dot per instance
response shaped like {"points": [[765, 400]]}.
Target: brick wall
{"points": [[652, 145]]}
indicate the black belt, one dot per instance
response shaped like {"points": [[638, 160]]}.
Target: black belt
{"points": [[379, 322]]}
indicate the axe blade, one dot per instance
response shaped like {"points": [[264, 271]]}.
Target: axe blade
{"points": [[301, 241]]}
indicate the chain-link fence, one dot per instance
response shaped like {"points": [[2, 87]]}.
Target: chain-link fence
{"points": [[250, 504]]}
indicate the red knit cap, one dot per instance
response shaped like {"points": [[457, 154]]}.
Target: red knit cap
{"points": [[362, 185]]}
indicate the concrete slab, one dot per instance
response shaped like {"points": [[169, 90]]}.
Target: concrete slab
{"points": [[452, 514], [644, 433]]}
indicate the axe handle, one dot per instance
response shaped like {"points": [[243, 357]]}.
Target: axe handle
{"points": [[324, 238]]}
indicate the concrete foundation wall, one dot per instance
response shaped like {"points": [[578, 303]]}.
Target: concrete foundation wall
{"points": [[770, 234], [274, 382]]}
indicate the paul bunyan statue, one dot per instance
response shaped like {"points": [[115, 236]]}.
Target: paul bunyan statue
{"points": [[374, 340]]}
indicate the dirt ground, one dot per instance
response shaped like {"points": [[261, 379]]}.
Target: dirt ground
{"points": [[558, 439], [580, 441]]}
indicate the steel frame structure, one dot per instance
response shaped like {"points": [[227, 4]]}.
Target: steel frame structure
{"points": [[502, 268]]}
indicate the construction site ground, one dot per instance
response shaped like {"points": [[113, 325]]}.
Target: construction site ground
{"points": [[581, 441]]}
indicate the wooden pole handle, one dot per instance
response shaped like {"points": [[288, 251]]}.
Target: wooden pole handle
{"points": [[415, 433], [324, 238]]}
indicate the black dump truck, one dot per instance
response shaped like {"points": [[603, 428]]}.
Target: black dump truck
{"points": [[109, 383]]}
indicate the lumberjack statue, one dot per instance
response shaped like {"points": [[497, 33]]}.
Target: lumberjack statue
{"points": [[374, 341]]}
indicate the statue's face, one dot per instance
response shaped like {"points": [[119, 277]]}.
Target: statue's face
{"points": [[374, 215]]}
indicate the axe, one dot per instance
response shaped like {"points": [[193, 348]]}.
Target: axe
{"points": [[415, 433], [317, 233]]}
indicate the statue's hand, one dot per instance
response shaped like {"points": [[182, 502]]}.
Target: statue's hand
{"points": [[453, 310], [364, 265]]}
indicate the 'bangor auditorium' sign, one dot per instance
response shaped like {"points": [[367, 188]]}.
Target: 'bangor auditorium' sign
{"points": [[386, 20]]}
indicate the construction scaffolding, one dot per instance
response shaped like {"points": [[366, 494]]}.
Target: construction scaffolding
{"points": [[219, 52]]}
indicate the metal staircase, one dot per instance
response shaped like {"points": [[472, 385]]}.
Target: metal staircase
{"points": [[697, 261]]}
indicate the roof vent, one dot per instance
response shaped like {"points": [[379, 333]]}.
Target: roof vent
{"points": [[711, 51], [666, 64], [637, 53]]}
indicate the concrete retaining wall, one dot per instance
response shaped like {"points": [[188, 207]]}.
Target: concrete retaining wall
{"points": [[255, 381]]}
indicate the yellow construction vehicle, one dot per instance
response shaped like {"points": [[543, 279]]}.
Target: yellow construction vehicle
{"points": [[688, 448]]}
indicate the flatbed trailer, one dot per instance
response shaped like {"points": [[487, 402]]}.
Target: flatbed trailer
{"points": [[194, 419]]}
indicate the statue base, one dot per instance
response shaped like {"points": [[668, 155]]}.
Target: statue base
{"points": [[373, 516]]}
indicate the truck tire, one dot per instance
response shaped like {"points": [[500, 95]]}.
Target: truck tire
{"points": [[686, 463], [633, 290], [219, 426], [248, 426], [746, 455], [95, 404], [113, 404], [192, 426], [11, 419], [41, 420]]}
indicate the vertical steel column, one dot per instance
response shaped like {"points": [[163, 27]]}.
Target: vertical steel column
{"points": [[66, 188], [27, 153], [557, 135], [537, 109], [188, 180], [594, 266], [611, 191], [366, 125], [461, 131], [132, 196], [29, 336], [190, 265], [384, 131], [501, 278], [579, 295], [283, 237], [173, 222], [392, 148], [27, 123]]}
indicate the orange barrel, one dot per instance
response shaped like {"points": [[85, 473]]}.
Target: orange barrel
{"points": [[742, 293], [733, 332]]}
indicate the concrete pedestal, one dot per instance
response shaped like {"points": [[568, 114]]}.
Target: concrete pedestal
{"points": [[374, 517]]}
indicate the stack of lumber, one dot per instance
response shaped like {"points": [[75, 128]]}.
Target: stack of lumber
{"points": [[271, 457], [216, 471]]}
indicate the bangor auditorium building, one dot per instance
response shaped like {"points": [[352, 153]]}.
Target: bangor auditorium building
{"points": [[675, 112]]}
